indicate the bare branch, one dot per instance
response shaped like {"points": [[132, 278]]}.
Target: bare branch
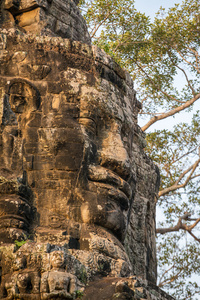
{"points": [[186, 171], [171, 112], [197, 58], [182, 70], [164, 274], [177, 227], [99, 25], [166, 271], [194, 236], [197, 175], [185, 154], [171, 279], [177, 186], [181, 225], [188, 62], [187, 79], [193, 225]]}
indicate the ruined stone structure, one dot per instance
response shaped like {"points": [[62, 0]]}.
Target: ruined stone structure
{"points": [[76, 187]]}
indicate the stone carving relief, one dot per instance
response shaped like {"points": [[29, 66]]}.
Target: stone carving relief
{"points": [[78, 181], [57, 283], [17, 212], [72, 165]]}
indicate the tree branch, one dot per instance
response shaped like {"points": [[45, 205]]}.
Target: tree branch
{"points": [[188, 62], [154, 84], [177, 227], [169, 280], [171, 112], [185, 154], [186, 171], [98, 26], [177, 186], [181, 225], [194, 236], [195, 176], [186, 77], [197, 58], [166, 271]]}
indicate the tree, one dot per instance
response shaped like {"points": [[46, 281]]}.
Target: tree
{"points": [[163, 58]]}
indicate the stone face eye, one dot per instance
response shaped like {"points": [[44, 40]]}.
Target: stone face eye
{"points": [[89, 124]]}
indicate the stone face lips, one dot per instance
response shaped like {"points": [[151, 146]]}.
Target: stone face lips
{"points": [[42, 17]]}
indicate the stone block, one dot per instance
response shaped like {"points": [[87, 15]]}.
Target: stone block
{"points": [[66, 162], [54, 88], [31, 135], [27, 4], [30, 17], [30, 148], [63, 29], [42, 165], [35, 120], [60, 6]]}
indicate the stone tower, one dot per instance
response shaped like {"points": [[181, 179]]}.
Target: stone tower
{"points": [[76, 187]]}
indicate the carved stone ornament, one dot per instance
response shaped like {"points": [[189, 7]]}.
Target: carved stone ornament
{"points": [[77, 190]]}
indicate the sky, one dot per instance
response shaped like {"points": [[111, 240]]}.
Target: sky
{"points": [[150, 7]]}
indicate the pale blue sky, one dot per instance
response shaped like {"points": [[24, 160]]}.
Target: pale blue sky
{"points": [[150, 7]]}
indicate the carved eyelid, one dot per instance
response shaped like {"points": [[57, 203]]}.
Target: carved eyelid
{"points": [[91, 124], [87, 118]]}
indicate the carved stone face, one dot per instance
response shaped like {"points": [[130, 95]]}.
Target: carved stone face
{"points": [[57, 259], [70, 147], [19, 263], [78, 155], [105, 194]]}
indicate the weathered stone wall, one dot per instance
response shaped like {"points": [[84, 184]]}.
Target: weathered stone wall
{"points": [[76, 187], [45, 17], [46, 63]]}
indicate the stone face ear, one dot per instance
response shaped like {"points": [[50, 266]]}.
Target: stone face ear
{"points": [[23, 96]]}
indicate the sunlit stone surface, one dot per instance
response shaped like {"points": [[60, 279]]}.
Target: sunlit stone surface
{"points": [[77, 191]]}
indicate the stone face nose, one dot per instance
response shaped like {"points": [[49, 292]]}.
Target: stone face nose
{"points": [[50, 18], [113, 154]]}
